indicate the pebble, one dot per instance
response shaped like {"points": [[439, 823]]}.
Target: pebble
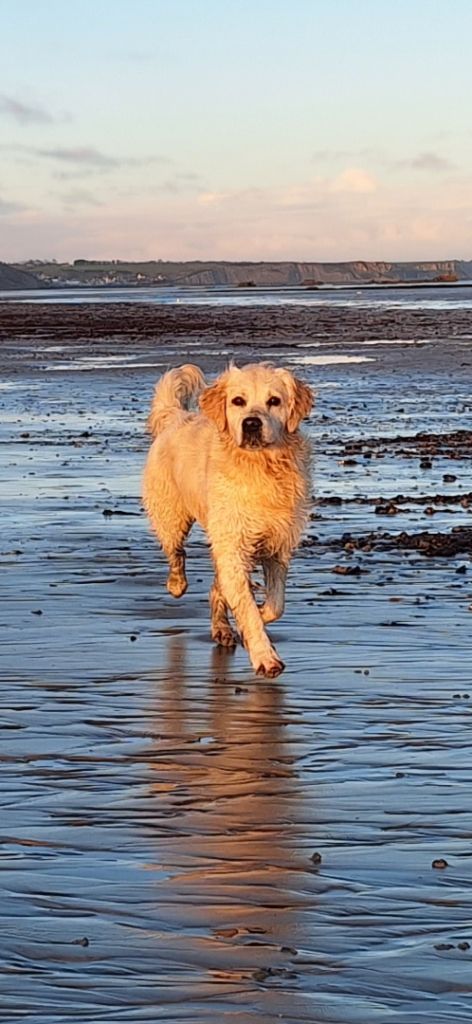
{"points": [[348, 570]]}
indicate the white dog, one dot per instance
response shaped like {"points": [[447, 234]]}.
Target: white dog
{"points": [[240, 468]]}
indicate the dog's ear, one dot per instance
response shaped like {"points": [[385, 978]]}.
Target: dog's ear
{"points": [[213, 404], [302, 402], [300, 398]]}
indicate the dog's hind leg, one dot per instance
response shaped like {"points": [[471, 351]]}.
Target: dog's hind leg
{"points": [[177, 582], [171, 523], [221, 631], [275, 574]]}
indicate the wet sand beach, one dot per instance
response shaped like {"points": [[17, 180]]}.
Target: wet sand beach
{"points": [[180, 841]]}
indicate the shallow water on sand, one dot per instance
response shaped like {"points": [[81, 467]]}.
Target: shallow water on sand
{"points": [[160, 806], [441, 297]]}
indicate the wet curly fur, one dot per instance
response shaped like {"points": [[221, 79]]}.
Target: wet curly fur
{"points": [[240, 467]]}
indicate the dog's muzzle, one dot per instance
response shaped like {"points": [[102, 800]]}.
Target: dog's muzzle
{"points": [[252, 432]]}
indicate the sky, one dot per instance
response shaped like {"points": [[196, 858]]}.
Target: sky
{"points": [[236, 129]]}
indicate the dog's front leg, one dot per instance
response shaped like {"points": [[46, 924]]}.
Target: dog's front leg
{"points": [[233, 577], [275, 575]]}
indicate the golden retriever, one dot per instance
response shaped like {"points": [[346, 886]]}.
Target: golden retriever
{"points": [[240, 468]]}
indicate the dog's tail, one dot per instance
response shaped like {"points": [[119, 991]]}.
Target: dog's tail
{"points": [[173, 394]]}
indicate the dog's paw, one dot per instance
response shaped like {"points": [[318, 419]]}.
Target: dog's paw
{"points": [[176, 585], [270, 668], [224, 636]]}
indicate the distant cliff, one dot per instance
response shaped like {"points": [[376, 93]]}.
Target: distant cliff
{"points": [[208, 273], [269, 274], [12, 277]]}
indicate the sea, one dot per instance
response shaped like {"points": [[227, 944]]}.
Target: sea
{"points": [[453, 297]]}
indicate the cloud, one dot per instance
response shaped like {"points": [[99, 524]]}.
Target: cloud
{"points": [[79, 161], [213, 198], [87, 156], [338, 217], [306, 195], [80, 197], [353, 179], [345, 155], [428, 161], [29, 113], [182, 181], [24, 113], [7, 207]]}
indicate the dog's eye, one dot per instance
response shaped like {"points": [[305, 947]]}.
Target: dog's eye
{"points": [[275, 400], [238, 400]]}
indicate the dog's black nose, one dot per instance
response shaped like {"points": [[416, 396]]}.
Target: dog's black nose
{"points": [[252, 425]]}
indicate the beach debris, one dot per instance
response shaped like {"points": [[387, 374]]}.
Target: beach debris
{"points": [[118, 512], [263, 973], [443, 545], [388, 509]]}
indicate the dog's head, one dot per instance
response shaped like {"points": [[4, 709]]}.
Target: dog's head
{"points": [[257, 405]]}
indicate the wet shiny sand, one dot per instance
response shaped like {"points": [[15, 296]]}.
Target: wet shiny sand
{"points": [[161, 807]]}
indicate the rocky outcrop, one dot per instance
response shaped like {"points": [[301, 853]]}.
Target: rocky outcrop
{"points": [[313, 274], [12, 278]]}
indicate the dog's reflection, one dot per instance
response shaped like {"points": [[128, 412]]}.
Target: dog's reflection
{"points": [[226, 802]]}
